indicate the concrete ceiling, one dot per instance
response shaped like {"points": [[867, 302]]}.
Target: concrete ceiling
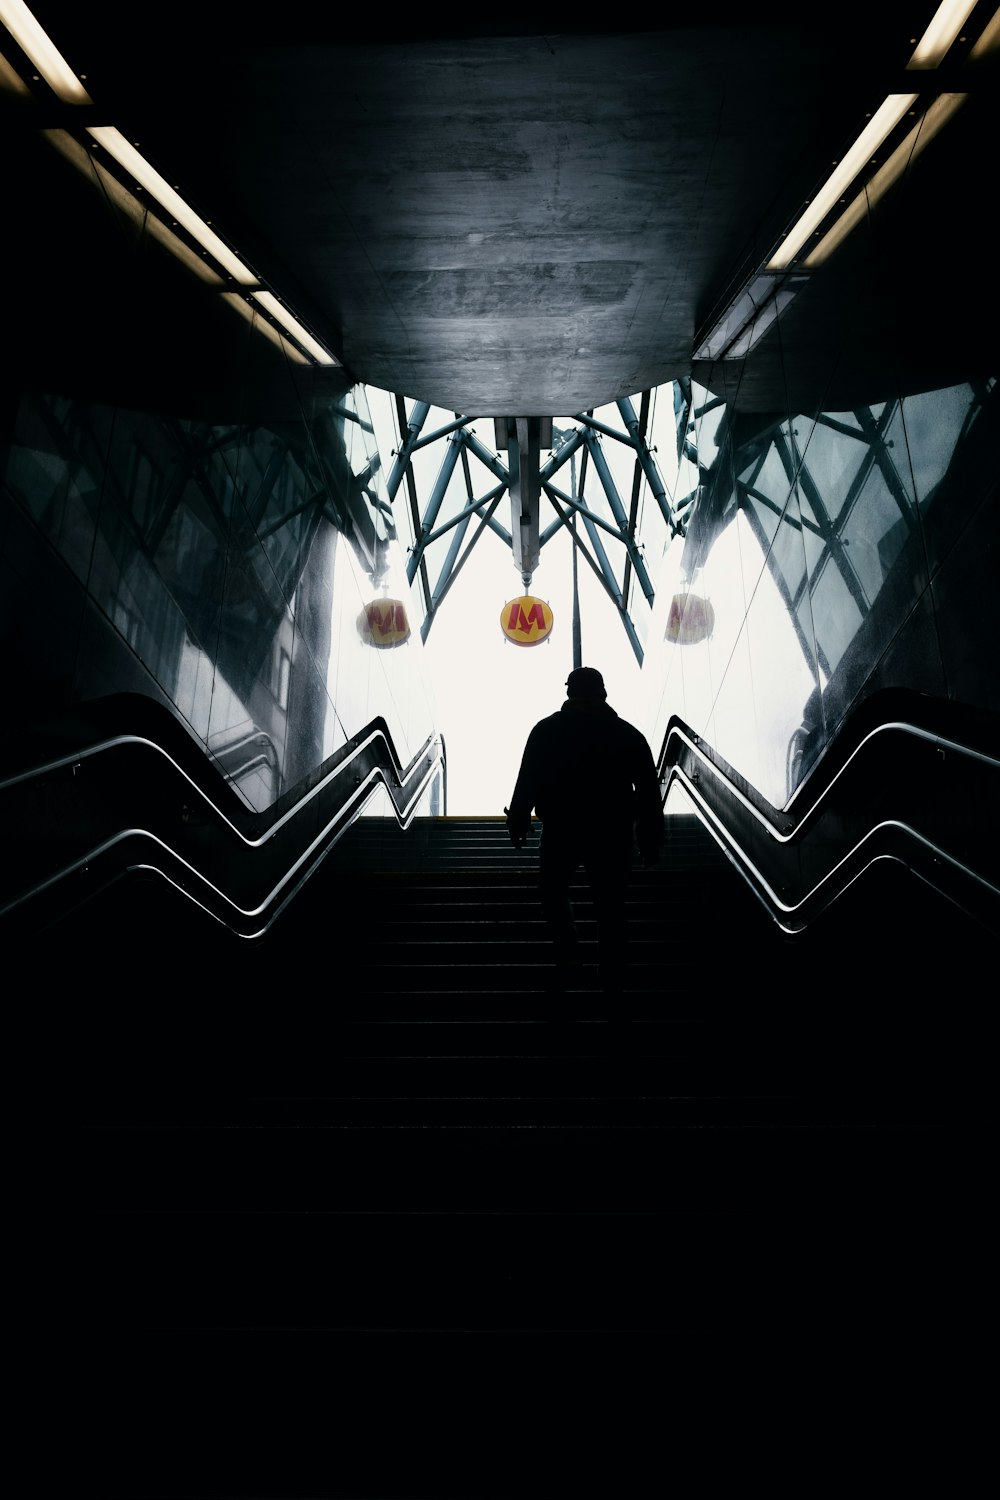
{"points": [[502, 220]]}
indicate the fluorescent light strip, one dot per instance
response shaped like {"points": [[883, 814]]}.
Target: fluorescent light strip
{"points": [[238, 302], [36, 46], [268, 301], [945, 26], [934, 45], [946, 23], [72, 149], [52, 66], [127, 156], [127, 203], [937, 115], [882, 123]]}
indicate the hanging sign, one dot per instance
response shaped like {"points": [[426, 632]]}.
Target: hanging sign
{"points": [[384, 623], [691, 619], [526, 621]]}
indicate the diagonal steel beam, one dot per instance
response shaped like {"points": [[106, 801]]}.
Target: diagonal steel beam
{"points": [[618, 511]]}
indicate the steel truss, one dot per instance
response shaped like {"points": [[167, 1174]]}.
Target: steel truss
{"points": [[514, 469]]}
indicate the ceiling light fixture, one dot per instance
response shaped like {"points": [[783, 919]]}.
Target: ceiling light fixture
{"points": [[875, 133], [753, 310], [926, 128], [39, 49], [53, 68], [946, 23], [85, 161], [242, 305], [138, 167], [281, 314]]}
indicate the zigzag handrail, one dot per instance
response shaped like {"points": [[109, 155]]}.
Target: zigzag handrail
{"points": [[887, 838], [119, 741], [244, 920]]}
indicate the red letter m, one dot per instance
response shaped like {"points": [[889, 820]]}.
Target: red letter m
{"points": [[518, 620], [394, 618]]}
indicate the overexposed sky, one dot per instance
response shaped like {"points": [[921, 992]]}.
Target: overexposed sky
{"points": [[489, 691]]}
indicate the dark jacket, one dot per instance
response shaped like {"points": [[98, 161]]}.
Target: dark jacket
{"points": [[586, 767]]}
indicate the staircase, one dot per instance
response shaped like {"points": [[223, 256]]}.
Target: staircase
{"points": [[353, 1217]]}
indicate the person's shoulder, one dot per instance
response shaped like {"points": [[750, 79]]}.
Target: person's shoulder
{"points": [[632, 732], [545, 726]]}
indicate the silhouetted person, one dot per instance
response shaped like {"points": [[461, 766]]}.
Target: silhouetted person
{"points": [[589, 776]]}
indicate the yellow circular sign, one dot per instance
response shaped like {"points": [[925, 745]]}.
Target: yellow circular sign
{"points": [[384, 623], [526, 621]]}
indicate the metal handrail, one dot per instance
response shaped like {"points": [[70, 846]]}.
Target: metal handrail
{"points": [[688, 766], [368, 762]]}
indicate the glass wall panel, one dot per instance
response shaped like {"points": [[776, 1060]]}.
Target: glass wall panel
{"points": [[210, 508], [821, 594]]}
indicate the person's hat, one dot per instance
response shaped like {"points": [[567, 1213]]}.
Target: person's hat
{"points": [[585, 682]]}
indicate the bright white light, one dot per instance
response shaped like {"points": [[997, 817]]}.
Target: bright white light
{"points": [[36, 45], [881, 124], [489, 692], [284, 317], [54, 69], [947, 22], [942, 109], [138, 167], [239, 304]]}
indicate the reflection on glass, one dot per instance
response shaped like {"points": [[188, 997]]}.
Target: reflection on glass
{"points": [[807, 536], [230, 559]]}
